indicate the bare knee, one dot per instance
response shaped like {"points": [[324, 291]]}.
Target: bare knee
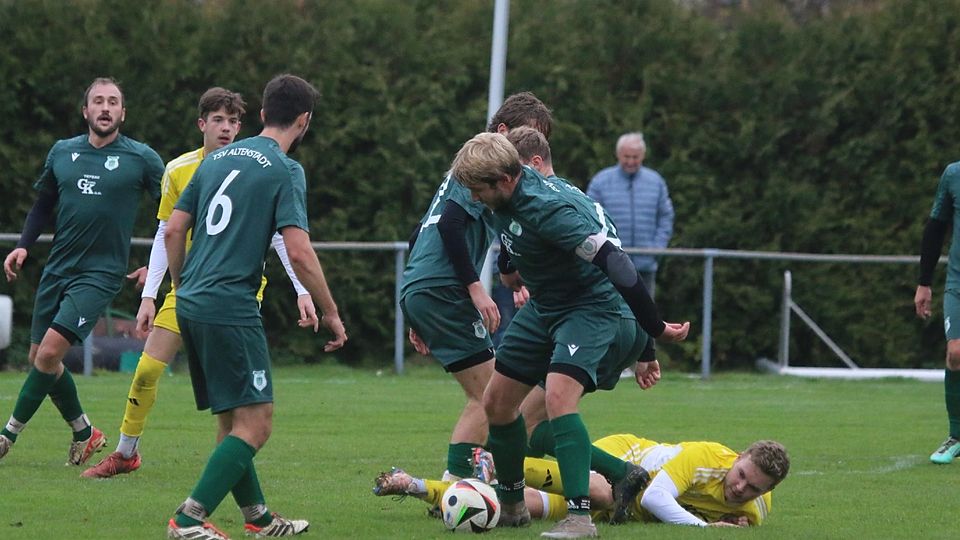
{"points": [[498, 412], [253, 424], [953, 355]]}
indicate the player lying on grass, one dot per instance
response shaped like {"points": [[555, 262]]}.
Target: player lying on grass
{"points": [[694, 483]]}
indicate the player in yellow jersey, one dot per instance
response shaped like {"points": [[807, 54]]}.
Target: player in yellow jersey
{"points": [[219, 121], [694, 483]]}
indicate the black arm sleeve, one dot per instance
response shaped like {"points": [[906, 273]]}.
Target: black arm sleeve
{"points": [[933, 235], [619, 268], [649, 353], [453, 229], [413, 238], [38, 218], [504, 264]]}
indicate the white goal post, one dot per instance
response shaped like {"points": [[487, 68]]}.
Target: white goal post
{"points": [[852, 371]]}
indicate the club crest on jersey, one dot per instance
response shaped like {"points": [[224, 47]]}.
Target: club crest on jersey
{"points": [[260, 379], [479, 330], [111, 163], [515, 228]]}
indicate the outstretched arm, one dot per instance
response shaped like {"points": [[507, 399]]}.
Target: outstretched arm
{"points": [[619, 268], [660, 499]]}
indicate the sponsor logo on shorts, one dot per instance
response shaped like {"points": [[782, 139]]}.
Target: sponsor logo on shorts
{"points": [[573, 349], [111, 163], [259, 379], [81, 321], [479, 330], [946, 324]]}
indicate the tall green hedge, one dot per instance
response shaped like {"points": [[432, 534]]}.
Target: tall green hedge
{"points": [[823, 134]]}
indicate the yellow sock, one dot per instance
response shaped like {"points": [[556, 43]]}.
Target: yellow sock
{"points": [[142, 396], [435, 489], [543, 474], [556, 507]]}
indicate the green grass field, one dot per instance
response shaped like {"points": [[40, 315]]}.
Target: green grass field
{"points": [[859, 454]]}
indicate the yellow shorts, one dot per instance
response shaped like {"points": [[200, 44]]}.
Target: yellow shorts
{"points": [[167, 316]]}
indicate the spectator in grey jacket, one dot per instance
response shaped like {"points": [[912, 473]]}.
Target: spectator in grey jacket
{"points": [[637, 199]]}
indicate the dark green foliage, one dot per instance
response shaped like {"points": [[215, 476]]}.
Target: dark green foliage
{"points": [[777, 129]]}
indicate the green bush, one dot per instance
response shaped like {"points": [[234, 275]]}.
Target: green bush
{"points": [[777, 129]]}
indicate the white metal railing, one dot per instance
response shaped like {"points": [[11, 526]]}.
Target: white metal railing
{"points": [[707, 254]]}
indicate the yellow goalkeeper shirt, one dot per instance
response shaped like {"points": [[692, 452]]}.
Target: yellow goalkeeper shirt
{"points": [[176, 177], [696, 468]]}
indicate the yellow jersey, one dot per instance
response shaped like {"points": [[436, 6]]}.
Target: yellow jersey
{"points": [[696, 468], [176, 177]]}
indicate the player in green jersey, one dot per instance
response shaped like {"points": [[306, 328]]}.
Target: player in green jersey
{"points": [[942, 218], [92, 184], [239, 197], [570, 260], [448, 309]]}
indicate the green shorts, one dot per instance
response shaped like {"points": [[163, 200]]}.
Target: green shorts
{"points": [[71, 305], [229, 365], [623, 353], [447, 321], [534, 345], [951, 314]]}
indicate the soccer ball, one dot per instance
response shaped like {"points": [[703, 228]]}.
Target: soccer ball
{"points": [[470, 505]]}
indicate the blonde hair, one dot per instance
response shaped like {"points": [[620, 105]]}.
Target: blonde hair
{"points": [[771, 458], [485, 159]]}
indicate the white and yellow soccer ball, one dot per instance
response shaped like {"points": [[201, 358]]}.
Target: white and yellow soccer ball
{"points": [[470, 505]]}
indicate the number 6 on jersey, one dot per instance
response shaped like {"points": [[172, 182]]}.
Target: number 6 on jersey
{"points": [[222, 201]]}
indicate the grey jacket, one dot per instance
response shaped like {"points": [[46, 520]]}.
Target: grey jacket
{"points": [[640, 207]]}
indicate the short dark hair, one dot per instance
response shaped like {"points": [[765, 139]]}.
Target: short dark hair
{"points": [[529, 142], [218, 98], [285, 98], [101, 80], [523, 109]]}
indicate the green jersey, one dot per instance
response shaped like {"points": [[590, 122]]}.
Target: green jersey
{"points": [[541, 227], [428, 265], [98, 193], [945, 205], [239, 197]]}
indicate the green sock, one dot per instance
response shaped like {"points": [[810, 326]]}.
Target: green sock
{"points": [[541, 440], [64, 396], [460, 459], [32, 394], [951, 393], [573, 455], [250, 498], [611, 467], [507, 444], [226, 466]]}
